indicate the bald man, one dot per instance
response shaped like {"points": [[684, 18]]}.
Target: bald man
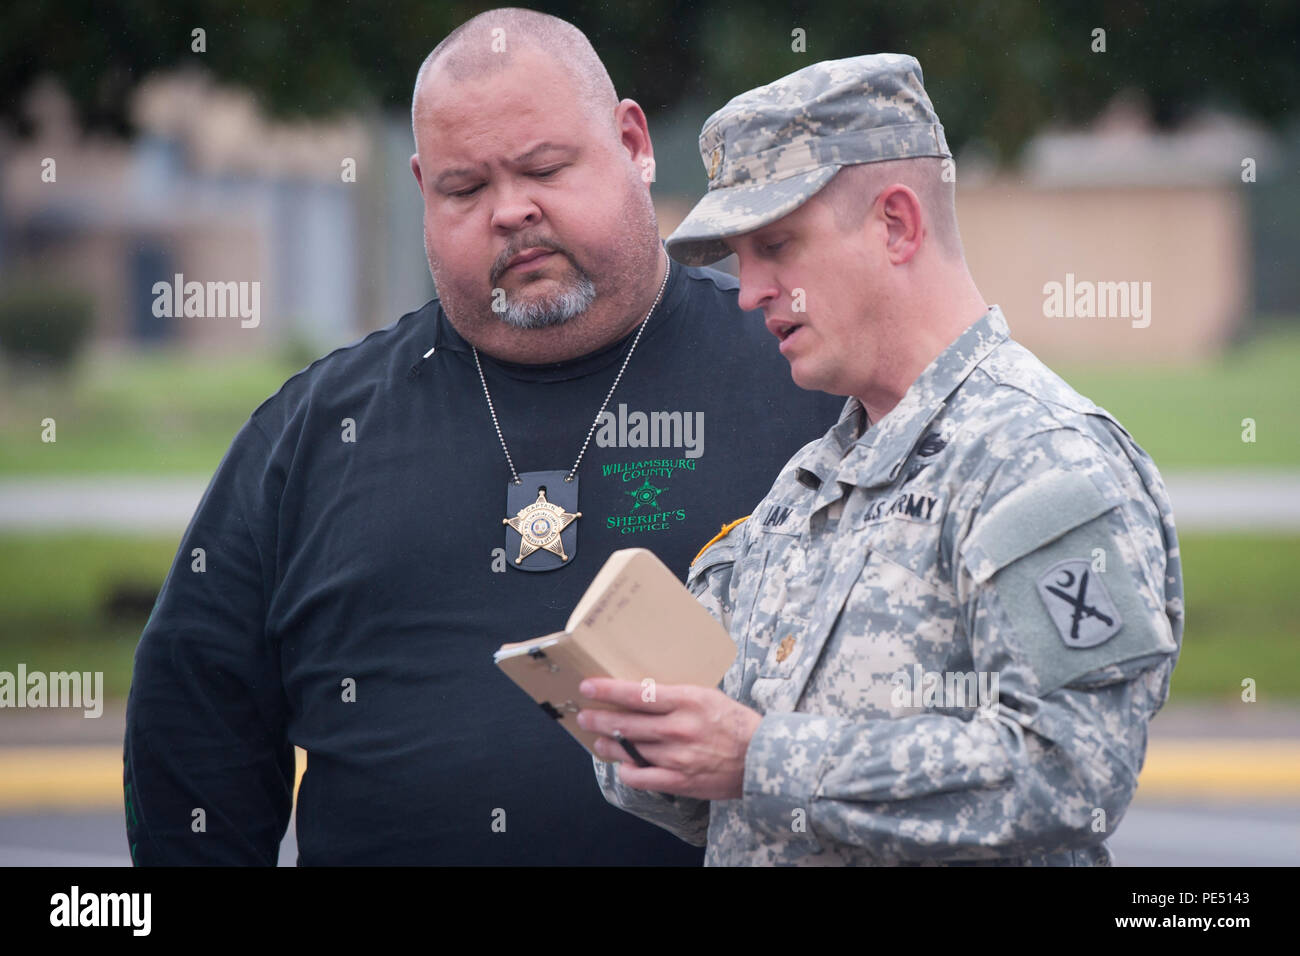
{"points": [[408, 503]]}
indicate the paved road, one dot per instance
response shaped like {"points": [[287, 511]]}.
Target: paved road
{"points": [[89, 838], [1203, 501], [1152, 834], [126, 504], [1221, 788], [1240, 834]]}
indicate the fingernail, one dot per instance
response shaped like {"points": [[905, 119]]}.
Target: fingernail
{"points": [[586, 689]]}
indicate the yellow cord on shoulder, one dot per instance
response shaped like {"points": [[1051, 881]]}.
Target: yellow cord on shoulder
{"points": [[726, 530]]}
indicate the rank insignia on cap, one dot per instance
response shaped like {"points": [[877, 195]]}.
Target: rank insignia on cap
{"points": [[1078, 604], [715, 162]]}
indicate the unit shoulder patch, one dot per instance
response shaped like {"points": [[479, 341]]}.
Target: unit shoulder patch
{"points": [[1078, 603]]}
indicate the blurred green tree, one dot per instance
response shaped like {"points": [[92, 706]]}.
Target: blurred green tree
{"points": [[996, 70], [43, 322]]}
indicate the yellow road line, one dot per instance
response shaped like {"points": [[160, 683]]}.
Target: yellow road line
{"points": [[71, 778], [1261, 769], [91, 777]]}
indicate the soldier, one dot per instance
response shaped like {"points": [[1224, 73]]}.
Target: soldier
{"points": [[958, 610]]}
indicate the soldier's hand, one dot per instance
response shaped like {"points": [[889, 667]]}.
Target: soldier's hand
{"points": [[696, 737]]}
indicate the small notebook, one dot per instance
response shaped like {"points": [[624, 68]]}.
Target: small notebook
{"points": [[635, 622]]}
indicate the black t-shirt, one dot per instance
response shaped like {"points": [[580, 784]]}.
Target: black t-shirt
{"points": [[354, 580]]}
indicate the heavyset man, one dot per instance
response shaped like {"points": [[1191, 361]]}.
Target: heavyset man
{"points": [[348, 574], [957, 611]]}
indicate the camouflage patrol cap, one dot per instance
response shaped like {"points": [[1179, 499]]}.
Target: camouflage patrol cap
{"points": [[767, 151]]}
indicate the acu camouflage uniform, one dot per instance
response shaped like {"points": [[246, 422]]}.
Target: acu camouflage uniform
{"points": [[995, 522], [934, 542]]}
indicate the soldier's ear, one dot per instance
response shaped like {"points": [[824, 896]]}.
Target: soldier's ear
{"points": [[900, 210]]}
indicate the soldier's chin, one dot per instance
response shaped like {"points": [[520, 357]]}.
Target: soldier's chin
{"points": [[805, 375]]}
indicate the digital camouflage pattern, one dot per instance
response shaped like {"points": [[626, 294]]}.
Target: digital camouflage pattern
{"points": [[995, 521], [770, 149]]}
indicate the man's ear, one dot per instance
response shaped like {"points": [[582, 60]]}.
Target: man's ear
{"points": [[415, 168], [900, 210], [634, 134]]}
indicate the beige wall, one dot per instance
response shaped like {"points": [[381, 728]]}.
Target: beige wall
{"points": [[1189, 242], [226, 252]]}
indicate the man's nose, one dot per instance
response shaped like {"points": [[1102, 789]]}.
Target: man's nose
{"points": [[513, 209], [756, 288]]}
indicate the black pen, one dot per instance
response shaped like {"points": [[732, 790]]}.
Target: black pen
{"points": [[631, 750]]}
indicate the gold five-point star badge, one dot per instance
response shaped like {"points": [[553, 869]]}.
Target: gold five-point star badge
{"points": [[539, 526]]}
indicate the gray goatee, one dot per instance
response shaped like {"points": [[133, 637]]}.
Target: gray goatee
{"points": [[556, 310]]}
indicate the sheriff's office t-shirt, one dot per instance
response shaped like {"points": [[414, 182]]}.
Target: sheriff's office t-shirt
{"points": [[356, 580]]}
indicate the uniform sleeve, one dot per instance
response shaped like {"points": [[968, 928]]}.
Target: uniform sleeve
{"points": [[208, 768], [709, 580], [1066, 597], [684, 817]]}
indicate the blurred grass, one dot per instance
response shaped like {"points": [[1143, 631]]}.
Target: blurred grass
{"points": [[1242, 606], [159, 413], [167, 414], [53, 592], [1190, 416], [148, 413]]}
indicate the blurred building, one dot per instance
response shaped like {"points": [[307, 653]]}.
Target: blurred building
{"points": [[1121, 202], [1170, 214], [212, 190]]}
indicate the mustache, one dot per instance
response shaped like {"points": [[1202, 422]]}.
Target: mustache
{"points": [[514, 248]]}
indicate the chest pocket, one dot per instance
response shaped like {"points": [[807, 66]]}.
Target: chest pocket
{"points": [[896, 612], [905, 527], [902, 609], [786, 609], [913, 546], [815, 585], [762, 591]]}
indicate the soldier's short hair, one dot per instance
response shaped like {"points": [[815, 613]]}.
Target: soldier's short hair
{"points": [[854, 189]]}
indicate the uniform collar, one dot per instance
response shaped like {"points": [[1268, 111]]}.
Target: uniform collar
{"points": [[877, 457]]}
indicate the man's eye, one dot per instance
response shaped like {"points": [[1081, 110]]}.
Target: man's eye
{"points": [[468, 192], [547, 173], [772, 247]]}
